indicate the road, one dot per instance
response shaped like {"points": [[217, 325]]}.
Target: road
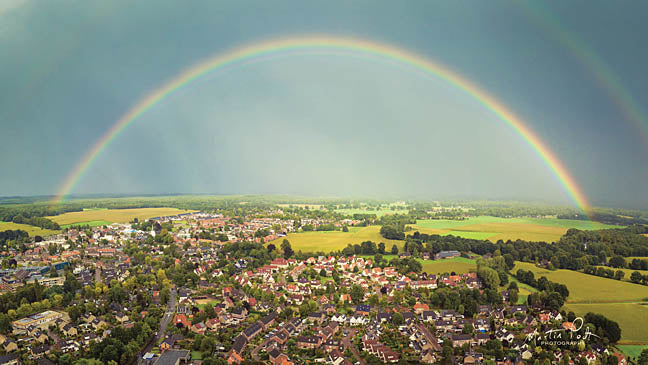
{"points": [[164, 322], [348, 344], [429, 336], [255, 352], [98, 274]]}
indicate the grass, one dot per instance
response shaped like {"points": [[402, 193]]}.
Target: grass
{"points": [[495, 228], [378, 212], [336, 240], [458, 265], [632, 350], [585, 288], [632, 318], [113, 215], [31, 230], [89, 223], [523, 290]]}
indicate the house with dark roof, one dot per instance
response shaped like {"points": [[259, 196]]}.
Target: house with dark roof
{"points": [[252, 331], [174, 357]]}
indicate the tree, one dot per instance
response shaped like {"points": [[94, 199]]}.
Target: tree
{"points": [[488, 276], [356, 293], [619, 274], [617, 262], [394, 250], [397, 319], [287, 250], [636, 277], [381, 248]]}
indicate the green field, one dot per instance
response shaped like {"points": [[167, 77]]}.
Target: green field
{"points": [[632, 318], [107, 216], [31, 230], [336, 240], [524, 290], [632, 350], [459, 265], [585, 288], [495, 228], [378, 212], [89, 223]]}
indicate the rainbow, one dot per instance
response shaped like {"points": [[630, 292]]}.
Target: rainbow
{"points": [[600, 71], [272, 47]]}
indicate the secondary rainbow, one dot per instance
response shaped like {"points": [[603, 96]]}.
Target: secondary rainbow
{"points": [[277, 46]]}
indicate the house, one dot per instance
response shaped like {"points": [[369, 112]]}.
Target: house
{"points": [[10, 345], [460, 340], [10, 359], [199, 328], [69, 330], [167, 344], [309, 342], [173, 357], [363, 309], [252, 331], [447, 255], [180, 321], [316, 317], [268, 320], [420, 308], [40, 351]]}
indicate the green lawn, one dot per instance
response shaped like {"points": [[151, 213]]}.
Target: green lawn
{"points": [[31, 230], [336, 240]]}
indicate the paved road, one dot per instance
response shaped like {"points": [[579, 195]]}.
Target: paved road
{"points": [[164, 322], [98, 274], [348, 344], [255, 352], [58, 343], [429, 336]]}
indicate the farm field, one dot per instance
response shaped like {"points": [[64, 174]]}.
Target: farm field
{"points": [[336, 240], [107, 216], [308, 206], [378, 213], [524, 290], [31, 230], [632, 318], [585, 288], [632, 350], [495, 228], [459, 265]]}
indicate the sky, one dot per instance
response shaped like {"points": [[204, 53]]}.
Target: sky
{"points": [[326, 123]]}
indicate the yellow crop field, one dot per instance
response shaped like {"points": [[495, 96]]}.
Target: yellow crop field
{"points": [[336, 240], [31, 230], [114, 215]]}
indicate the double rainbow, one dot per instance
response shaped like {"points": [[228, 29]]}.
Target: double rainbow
{"points": [[362, 47]]}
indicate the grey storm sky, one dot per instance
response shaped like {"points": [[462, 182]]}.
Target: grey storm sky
{"points": [[322, 123]]}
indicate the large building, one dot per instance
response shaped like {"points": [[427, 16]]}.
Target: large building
{"points": [[42, 319]]}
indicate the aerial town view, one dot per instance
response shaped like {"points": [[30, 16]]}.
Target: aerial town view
{"points": [[305, 182]]}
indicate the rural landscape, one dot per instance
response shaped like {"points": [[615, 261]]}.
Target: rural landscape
{"points": [[323, 182]]}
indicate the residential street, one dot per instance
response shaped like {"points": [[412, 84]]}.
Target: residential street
{"points": [[348, 344], [166, 318]]}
